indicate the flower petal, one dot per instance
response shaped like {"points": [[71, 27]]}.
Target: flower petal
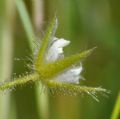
{"points": [[55, 50], [70, 76]]}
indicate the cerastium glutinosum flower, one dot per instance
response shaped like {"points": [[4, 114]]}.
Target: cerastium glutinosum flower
{"points": [[59, 74]]}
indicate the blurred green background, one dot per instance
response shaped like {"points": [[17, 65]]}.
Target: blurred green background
{"points": [[87, 23]]}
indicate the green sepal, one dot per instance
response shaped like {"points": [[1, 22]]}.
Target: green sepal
{"points": [[48, 36], [61, 88], [48, 71]]}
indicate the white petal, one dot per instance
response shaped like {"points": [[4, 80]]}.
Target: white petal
{"points": [[55, 50], [70, 76]]}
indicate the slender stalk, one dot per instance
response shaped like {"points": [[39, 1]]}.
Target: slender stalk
{"points": [[116, 110], [42, 99]]}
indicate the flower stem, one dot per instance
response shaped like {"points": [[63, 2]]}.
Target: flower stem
{"points": [[42, 99]]}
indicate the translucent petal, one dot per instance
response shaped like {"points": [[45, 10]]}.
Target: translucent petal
{"points": [[70, 76], [55, 49]]}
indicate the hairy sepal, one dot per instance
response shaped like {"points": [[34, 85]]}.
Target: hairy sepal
{"points": [[67, 89], [48, 71], [48, 36]]}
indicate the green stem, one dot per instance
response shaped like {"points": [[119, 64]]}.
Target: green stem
{"points": [[116, 111], [42, 99]]}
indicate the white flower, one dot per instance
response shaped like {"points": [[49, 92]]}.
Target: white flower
{"points": [[55, 52]]}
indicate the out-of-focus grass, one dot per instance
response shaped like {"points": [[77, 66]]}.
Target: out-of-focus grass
{"points": [[26, 22], [6, 54], [116, 111]]}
